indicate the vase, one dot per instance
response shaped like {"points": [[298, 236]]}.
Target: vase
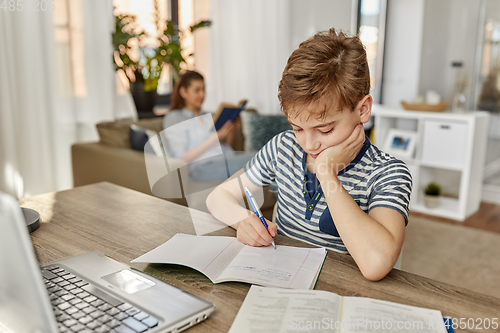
{"points": [[458, 103], [431, 201], [144, 100]]}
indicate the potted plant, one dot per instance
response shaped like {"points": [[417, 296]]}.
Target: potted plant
{"points": [[431, 195], [143, 57]]}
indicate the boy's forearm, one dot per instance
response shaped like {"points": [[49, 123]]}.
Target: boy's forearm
{"points": [[226, 208], [370, 244]]}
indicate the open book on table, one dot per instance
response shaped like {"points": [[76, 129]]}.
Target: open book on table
{"points": [[224, 259], [281, 310]]}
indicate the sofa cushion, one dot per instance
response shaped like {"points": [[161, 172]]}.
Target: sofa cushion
{"points": [[139, 136], [117, 133], [258, 129], [154, 124]]}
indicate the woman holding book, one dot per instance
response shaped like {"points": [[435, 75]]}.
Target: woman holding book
{"points": [[188, 132]]}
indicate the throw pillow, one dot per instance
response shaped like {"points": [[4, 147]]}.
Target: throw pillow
{"points": [[258, 129], [155, 124], [114, 133], [140, 136]]}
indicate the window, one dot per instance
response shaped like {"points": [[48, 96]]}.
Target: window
{"points": [[69, 51], [190, 12], [151, 16], [489, 80], [371, 30]]}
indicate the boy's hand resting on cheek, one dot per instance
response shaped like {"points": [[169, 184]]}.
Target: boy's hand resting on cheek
{"points": [[251, 231], [336, 158]]}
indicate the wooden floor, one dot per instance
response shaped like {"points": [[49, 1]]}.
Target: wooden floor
{"points": [[486, 218]]}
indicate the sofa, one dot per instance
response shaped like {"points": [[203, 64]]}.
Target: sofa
{"points": [[112, 159]]}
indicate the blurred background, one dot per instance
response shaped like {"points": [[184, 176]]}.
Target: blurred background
{"points": [[61, 71]]}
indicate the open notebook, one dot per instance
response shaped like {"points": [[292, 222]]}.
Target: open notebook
{"points": [[224, 259], [279, 310]]}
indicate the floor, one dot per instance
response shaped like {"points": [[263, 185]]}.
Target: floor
{"points": [[486, 218]]}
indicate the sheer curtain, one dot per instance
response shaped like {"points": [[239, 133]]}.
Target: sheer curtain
{"points": [[249, 47], [39, 119]]}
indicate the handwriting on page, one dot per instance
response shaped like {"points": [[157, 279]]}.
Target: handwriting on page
{"points": [[267, 274], [266, 265]]}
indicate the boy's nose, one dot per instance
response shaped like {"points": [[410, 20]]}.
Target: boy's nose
{"points": [[312, 144]]}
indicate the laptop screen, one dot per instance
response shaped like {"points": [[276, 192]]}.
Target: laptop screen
{"points": [[24, 304]]}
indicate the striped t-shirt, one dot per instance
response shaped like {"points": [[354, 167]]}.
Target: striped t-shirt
{"points": [[373, 179]]}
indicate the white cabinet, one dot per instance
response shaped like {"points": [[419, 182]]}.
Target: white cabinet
{"points": [[443, 143], [450, 149]]}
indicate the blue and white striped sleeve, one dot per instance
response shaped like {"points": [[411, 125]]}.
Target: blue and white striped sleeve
{"points": [[392, 189], [261, 169]]}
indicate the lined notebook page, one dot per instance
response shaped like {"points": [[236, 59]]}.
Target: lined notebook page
{"points": [[209, 255], [285, 266]]}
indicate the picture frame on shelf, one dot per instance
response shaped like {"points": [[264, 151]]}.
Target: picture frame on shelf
{"points": [[400, 143]]}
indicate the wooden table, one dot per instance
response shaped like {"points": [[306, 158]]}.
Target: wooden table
{"points": [[124, 224]]}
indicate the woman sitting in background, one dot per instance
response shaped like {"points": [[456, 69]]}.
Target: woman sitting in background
{"points": [[208, 152]]}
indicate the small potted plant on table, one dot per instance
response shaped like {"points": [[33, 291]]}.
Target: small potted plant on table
{"points": [[432, 195]]}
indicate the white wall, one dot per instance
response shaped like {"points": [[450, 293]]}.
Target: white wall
{"points": [[252, 40], [309, 17], [450, 34], [249, 47], [402, 51], [423, 38]]}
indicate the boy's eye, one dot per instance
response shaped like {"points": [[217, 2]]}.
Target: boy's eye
{"points": [[328, 131], [297, 129]]}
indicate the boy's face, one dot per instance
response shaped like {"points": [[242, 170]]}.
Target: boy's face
{"points": [[315, 135]]}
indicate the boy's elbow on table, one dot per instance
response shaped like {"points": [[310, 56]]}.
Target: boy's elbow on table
{"points": [[374, 274], [376, 268]]}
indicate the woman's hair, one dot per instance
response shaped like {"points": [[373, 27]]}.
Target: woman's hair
{"points": [[177, 102], [330, 67]]}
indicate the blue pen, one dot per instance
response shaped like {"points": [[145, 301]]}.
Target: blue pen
{"points": [[256, 209]]}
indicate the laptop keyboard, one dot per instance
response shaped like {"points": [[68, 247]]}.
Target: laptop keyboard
{"points": [[79, 306]]}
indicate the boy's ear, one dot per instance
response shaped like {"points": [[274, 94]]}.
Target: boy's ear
{"points": [[364, 108]]}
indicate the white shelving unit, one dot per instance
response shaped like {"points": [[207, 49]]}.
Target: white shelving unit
{"points": [[450, 150]]}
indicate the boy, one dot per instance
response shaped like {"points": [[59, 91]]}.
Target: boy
{"points": [[335, 189]]}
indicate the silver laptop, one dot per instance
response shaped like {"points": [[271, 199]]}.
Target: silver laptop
{"points": [[86, 293]]}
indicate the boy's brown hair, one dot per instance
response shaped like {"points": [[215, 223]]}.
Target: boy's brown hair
{"points": [[330, 66]]}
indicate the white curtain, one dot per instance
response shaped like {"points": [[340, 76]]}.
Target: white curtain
{"points": [[39, 121], [249, 47]]}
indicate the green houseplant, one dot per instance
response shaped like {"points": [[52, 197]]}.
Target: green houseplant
{"points": [[142, 57], [432, 192]]}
